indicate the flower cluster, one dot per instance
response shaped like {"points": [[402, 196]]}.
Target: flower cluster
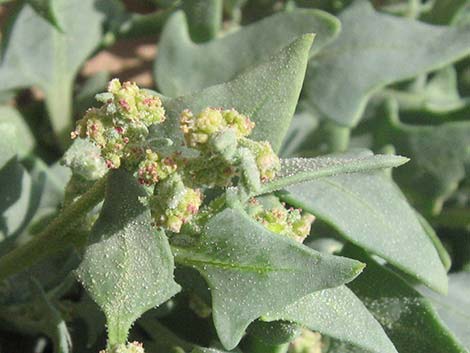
{"points": [[197, 129], [219, 152], [174, 204], [291, 222], [220, 136], [119, 128]]}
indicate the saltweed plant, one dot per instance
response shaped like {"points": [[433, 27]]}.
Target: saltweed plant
{"points": [[289, 176]]}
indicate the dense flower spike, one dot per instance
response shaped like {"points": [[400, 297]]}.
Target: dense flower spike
{"points": [[290, 222], [119, 128]]}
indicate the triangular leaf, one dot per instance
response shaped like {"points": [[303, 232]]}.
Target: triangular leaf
{"points": [[267, 94], [251, 271], [129, 267]]}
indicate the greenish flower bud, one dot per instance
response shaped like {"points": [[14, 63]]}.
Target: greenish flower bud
{"points": [[173, 204], [134, 104], [239, 122], [267, 161], [197, 129], [151, 170], [132, 347], [290, 222], [84, 158]]}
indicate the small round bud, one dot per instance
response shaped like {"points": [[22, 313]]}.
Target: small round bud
{"points": [[239, 122], [267, 161]]}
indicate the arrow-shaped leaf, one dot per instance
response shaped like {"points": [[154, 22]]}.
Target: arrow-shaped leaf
{"points": [[251, 271]]}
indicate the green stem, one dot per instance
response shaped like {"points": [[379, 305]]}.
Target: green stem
{"points": [[255, 345], [55, 236], [337, 136]]}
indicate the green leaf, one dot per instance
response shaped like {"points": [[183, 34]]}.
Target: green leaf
{"points": [[441, 250], [439, 157], [374, 50], [16, 188], [129, 267], [438, 95], [267, 94], [337, 313], [37, 54], [369, 210], [407, 317], [300, 170], [48, 10], [24, 141], [183, 67], [251, 271], [8, 148], [454, 309]]}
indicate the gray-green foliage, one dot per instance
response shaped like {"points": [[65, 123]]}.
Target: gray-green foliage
{"points": [[454, 308], [185, 67], [331, 312], [232, 273], [407, 317], [267, 94], [439, 156], [251, 271], [374, 50], [128, 268], [38, 54], [370, 211]]}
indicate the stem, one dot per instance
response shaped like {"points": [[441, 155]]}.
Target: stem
{"points": [[337, 136], [56, 234], [255, 345]]}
